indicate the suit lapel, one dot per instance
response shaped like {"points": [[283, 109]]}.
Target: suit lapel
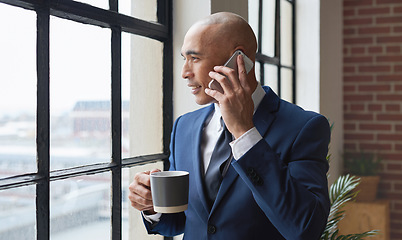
{"points": [[198, 170], [263, 119]]}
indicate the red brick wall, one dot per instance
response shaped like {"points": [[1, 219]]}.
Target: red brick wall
{"points": [[373, 91]]}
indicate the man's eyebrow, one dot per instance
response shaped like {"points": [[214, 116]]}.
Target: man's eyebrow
{"points": [[191, 52]]}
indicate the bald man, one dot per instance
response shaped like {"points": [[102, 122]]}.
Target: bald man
{"points": [[275, 185]]}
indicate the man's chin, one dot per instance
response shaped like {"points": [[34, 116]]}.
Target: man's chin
{"points": [[205, 100]]}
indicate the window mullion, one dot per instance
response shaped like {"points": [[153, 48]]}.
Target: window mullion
{"points": [[43, 124], [165, 17], [116, 121], [259, 41], [294, 49], [260, 26], [278, 41]]}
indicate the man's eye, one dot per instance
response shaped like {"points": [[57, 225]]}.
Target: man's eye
{"points": [[190, 58]]}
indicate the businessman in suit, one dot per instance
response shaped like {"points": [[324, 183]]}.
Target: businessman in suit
{"points": [[273, 185]]}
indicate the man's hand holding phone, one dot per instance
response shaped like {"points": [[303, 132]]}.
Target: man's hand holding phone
{"points": [[235, 100], [232, 63]]}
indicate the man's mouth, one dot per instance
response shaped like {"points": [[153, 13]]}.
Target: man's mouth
{"points": [[194, 88]]}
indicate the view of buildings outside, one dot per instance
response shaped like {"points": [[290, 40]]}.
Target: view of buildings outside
{"points": [[80, 125]]}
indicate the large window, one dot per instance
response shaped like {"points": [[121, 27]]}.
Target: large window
{"points": [[273, 21], [86, 92]]}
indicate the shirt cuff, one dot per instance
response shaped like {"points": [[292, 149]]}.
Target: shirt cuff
{"points": [[245, 142], [152, 219]]}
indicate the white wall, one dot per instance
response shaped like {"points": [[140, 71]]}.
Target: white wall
{"points": [[308, 54], [331, 78], [319, 68], [235, 6]]}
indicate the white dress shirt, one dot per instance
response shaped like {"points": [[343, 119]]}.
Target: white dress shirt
{"points": [[211, 132]]}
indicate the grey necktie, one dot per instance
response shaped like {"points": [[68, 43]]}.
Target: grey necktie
{"points": [[213, 176]]}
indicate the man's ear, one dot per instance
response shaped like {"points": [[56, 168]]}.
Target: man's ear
{"points": [[241, 48]]}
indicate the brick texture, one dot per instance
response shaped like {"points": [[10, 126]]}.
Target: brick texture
{"points": [[373, 91]]}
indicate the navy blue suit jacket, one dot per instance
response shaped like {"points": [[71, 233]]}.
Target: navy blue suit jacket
{"points": [[277, 190]]}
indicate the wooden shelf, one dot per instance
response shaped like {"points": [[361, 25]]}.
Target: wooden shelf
{"points": [[366, 216]]}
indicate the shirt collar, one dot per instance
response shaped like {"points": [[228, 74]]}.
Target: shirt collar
{"points": [[216, 118], [257, 96]]}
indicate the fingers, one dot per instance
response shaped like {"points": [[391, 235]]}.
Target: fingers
{"points": [[227, 77], [219, 89], [140, 203], [242, 73], [231, 79], [140, 191]]}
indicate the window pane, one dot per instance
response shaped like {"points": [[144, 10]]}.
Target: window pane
{"points": [[142, 9], [286, 84], [268, 28], [80, 208], [96, 3], [146, 94], [80, 90], [286, 33], [125, 93], [17, 91], [18, 213], [253, 6], [271, 77], [126, 205]]}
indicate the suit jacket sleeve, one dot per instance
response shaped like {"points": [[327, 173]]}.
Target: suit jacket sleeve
{"points": [[291, 186]]}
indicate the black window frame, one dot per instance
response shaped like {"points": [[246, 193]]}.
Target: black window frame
{"points": [[275, 60], [118, 23]]}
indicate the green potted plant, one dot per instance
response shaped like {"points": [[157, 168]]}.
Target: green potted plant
{"points": [[365, 166], [341, 191]]}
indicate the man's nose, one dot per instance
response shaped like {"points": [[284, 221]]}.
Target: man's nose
{"points": [[186, 71]]}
